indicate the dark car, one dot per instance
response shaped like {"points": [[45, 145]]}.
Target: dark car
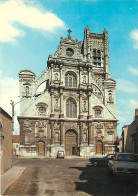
{"points": [[101, 160]]}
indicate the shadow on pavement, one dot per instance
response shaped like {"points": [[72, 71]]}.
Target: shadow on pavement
{"points": [[98, 181]]}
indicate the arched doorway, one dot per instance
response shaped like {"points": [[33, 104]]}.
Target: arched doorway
{"points": [[71, 143], [41, 148], [99, 147]]}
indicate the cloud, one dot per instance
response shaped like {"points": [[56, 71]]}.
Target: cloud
{"points": [[15, 12], [9, 90], [134, 103], [126, 86], [134, 36], [133, 70], [122, 119]]}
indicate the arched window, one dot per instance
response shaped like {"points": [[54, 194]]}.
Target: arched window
{"points": [[70, 80], [71, 108]]}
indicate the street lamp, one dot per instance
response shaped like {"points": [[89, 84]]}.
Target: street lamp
{"points": [[13, 106], [12, 103]]}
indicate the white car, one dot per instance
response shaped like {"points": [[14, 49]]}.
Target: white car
{"points": [[124, 163]]}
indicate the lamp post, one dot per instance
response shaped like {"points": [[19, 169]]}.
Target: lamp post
{"points": [[13, 106], [12, 103], [13, 114]]}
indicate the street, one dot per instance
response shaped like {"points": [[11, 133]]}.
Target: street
{"points": [[61, 177]]}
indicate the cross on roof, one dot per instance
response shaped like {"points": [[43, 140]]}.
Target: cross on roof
{"points": [[69, 31]]}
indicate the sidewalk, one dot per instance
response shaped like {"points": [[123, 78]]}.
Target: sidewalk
{"points": [[8, 177]]}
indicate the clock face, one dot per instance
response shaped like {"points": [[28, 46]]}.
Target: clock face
{"points": [[69, 52]]}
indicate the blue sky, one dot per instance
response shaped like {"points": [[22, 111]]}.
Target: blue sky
{"points": [[31, 30]]}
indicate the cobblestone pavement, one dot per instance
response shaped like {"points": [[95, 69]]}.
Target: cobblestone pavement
{"points": [[65, 177]]}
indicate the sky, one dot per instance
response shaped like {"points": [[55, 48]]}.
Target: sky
{"points": [[30, 30]]}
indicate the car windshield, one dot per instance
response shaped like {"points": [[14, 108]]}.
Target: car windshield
{"points": [[126, 157]]}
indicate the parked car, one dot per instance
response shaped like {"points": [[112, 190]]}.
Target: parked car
{"points": [[101, 160], [60, 154], [124, 163]]}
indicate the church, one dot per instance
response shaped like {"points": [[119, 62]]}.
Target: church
{"points": [[71, 105]]}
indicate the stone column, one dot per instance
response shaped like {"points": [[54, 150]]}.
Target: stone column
{"points": [[80, 105], [52, 132], [61, 133], [33, 133], [61, 101], [81, 133], [52, 102], [48, 134], [89, 94], [80, 102], [61, 74], [51, 72], [91, 134]]}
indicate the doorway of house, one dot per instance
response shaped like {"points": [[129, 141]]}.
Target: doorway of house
{"points": [[71, 143], [41, 148], [99, 147]]}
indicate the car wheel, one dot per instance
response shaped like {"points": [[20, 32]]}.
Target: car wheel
{"points": [[96, 163]]}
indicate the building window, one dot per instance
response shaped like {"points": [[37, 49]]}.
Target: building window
{"points": [[98, 111], [70, 80], [70, 108], [27, 91], [96, 57], [69, 52]]}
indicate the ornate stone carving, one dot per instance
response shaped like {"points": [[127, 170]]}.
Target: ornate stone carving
{"points": [[110, 132], [110, 97], [56, 75], [85, 135], [99, 126], [67, 127], [41, 124], [84, 79], [27, 124], [84, 73], [55, 69], [98, 110], [56, 106], [41, 108], [110, 127], [56, 96], [73, 95], [85, 106]]}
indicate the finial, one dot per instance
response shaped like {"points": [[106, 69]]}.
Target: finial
{"points": [[69, 31]]}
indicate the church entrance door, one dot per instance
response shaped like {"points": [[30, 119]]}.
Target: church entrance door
{"points": [[41, 148], [99, 147], [71, 144]]}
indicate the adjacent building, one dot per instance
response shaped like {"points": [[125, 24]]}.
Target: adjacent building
{"points": [[76, 111], [5, 140], [15, 144], [130, 135]]}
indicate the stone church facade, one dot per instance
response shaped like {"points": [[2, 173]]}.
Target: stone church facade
{"points": [[76, 109]]}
